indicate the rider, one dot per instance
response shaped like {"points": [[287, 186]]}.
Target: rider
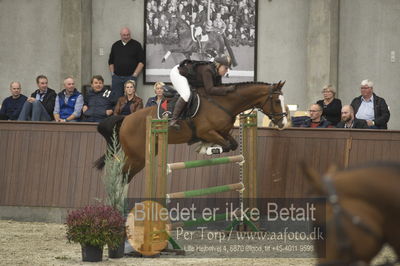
{"points": [[198, 74]]}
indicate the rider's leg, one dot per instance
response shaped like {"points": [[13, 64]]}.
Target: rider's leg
{"points": [[179, 107], [182, 86]]}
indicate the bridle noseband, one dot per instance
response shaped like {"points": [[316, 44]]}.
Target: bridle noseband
{"points": [[339, 213], [271, 115]]}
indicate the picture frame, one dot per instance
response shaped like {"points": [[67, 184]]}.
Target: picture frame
{"points": [[200, 30]]}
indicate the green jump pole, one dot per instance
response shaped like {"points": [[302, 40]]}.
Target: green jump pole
{"points": [[205, 191], [199, 221], [201, 163]]}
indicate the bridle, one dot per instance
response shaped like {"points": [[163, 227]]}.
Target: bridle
{"points": [[339, 214], [272, 116]]}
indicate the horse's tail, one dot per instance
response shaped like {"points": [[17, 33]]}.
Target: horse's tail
{"points": [[230, 51], [106, 129]]}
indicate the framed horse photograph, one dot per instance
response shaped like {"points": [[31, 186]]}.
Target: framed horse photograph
{"points": [[176, 30]]}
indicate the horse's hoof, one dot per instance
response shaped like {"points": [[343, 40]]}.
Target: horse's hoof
{"points": [[163, 60]]}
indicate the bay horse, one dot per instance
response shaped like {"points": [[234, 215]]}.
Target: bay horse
{"points": [[361, 214], [187, 45], [212, 124]]}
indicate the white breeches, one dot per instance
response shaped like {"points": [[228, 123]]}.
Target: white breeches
{"points": [[180, 83]]}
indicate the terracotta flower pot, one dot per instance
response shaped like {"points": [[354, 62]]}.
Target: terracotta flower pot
{"points": [[92, 253]]}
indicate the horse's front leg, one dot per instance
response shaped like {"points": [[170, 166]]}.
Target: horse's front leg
{"points": [[214, 137], [232, 141]]}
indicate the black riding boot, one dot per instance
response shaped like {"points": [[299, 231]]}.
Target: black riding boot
{"points": [[179, 106]]}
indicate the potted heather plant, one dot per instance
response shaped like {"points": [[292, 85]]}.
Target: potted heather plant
{"points": [[93, 227], [116, 186]]}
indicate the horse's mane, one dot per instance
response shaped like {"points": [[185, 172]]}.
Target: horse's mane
{"points": [[247, 83]]}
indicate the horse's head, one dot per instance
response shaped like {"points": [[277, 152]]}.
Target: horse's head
{"points": [[349, 237], [274, 106]]}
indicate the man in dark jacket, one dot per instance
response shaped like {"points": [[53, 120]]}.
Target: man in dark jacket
{"points": [[40, 106], [370, 107], [12, 106], [97, 105], [348, 120], [316, 119]]}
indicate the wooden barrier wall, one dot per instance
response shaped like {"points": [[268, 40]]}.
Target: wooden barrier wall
{"points": [[50, 165]]}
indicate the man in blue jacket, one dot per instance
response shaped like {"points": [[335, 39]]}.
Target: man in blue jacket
{"points": [[69, 103], [12, 106]]}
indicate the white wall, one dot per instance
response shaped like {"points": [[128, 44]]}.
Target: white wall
{"points": [[29, 43], [369, 31], [282, 46]]}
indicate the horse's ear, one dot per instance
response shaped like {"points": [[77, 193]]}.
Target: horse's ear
{"points": [[281, 83], [313, 179]]}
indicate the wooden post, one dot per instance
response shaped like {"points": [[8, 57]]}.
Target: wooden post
{"points": [[347, 152], [161, 130], [249, 142], [149, 175]]}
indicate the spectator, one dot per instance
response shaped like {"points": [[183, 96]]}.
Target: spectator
{"points": [[12, 106], [158, 90], [130, 102], [331, 106], [316, 119], [126, 62], [348, 120], [156, 29], [97, 105], [245, 20], [69, 103], [219, 24], [40, 106], [231, 21], [201, 19], [164, 21], [370, 107]]}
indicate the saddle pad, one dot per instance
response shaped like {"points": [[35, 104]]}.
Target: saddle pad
{"points": [[166, 107]]}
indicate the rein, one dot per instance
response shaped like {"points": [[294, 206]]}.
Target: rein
{"points": [[344, 244]]}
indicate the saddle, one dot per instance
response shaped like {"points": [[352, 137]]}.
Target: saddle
{"points": [[167, 105]]}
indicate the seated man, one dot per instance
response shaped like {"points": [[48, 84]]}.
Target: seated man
{"points": [[40, 106], [12, 106], [348, 120], [316, 119], [97, 105], [370, 107], [69, 102]]}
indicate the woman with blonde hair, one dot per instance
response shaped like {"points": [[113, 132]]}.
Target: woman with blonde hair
{"points": [[331, 106], [158, 90], [130, 102]]}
